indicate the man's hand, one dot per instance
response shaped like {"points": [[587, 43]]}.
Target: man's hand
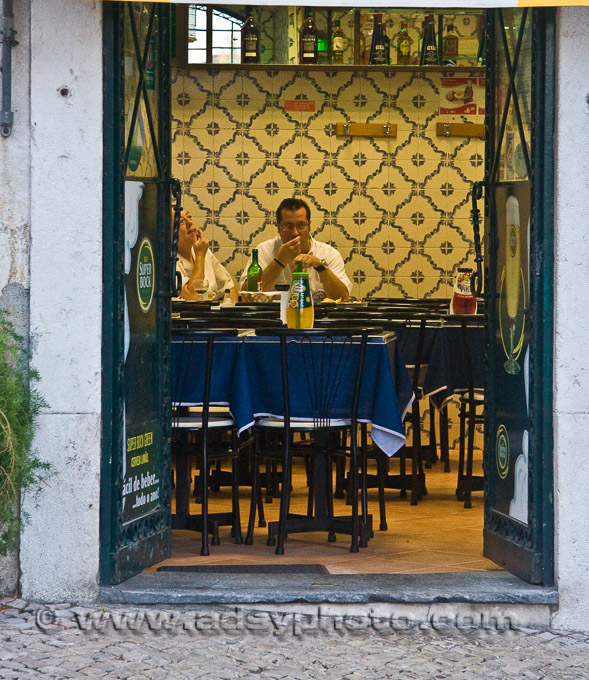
{"points": [[288, 251], [202, 243], [308, 260]]}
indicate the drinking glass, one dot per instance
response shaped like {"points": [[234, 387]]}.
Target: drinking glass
{"points": [[201, 286]]}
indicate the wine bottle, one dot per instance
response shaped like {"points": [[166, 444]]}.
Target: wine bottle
{"points": [[404, 41], [450, 47], [378, 48], [254, 274], [337, 44], [250, 42], [308, 37], [429, 47]]}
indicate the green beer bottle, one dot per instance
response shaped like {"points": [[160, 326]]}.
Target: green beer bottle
{"points": [[254, 274]]}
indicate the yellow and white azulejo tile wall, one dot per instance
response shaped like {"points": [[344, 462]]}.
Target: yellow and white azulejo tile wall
{"points": [[398, 209]]}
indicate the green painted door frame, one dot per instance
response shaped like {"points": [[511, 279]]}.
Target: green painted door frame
{"points": [[135, 480], [519, 181], [129, 544]]}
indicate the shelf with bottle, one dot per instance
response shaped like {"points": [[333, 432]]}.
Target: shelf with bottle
{"points": [[274, 37], [397, 68]]}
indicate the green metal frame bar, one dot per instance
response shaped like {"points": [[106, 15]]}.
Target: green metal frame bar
{"points": [[142, 89], [114, 538], [543, 265], [113, 219]]}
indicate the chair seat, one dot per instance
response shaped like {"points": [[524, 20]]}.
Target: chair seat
{"points": [[302, 425], [194, 422]]}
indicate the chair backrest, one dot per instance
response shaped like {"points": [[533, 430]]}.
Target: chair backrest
{"points": [[230, 312], [253, 306], [192, 367], [194, 306], [371, 328], [324, 367], [232, 321]]}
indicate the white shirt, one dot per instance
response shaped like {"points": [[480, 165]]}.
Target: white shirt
{"points": [[215, 273], [268, 250]]}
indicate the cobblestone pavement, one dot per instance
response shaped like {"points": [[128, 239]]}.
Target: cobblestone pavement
{"points": [[59, 641]]}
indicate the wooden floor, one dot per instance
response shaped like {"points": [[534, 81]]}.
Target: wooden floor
{"points": [[437, 535]]}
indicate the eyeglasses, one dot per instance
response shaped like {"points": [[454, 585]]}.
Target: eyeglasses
{"points": [[300, 227]]}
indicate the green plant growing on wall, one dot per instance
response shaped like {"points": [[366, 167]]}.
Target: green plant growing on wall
{"points": [[20, 468]]}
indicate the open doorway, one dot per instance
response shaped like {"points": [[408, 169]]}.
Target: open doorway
{"points": [[376, 206]]}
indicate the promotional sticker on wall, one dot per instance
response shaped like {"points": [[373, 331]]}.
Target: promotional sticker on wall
{"points": [[462, 96]]}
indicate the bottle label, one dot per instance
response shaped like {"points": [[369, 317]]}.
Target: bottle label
{"points": [[379, 56], [250, 45], [309, 46], [299, 312], [338, 43], [404, 47], [431, 55]]}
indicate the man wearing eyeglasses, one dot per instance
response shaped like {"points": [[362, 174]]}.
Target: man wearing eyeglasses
{"points": [[278, 256]]}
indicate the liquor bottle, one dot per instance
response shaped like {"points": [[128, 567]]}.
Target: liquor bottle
{"points": [[299, 312], [308, 38], [450, 47], [429, 47], [378, 47], [404, 41], [338, 42], [250, 42], [254, 274]]}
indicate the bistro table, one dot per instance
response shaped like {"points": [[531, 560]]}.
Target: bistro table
{"points": [[446, 374], [246, 378]]}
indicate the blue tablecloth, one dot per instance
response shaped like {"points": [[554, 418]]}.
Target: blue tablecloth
{"points": [[446, 373], [246, 376]]}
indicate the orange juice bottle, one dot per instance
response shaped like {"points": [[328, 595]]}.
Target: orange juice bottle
{"points": [[299, 311]]}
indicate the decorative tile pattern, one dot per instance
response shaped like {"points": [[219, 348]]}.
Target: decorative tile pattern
{"points": [[397, 209]]}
